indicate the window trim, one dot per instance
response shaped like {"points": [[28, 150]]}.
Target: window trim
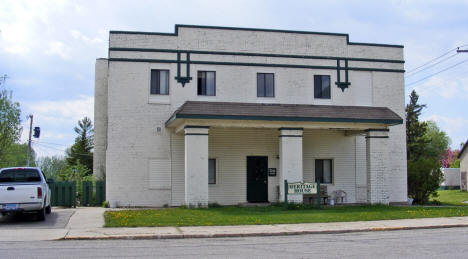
{"points": [[168, 82], [332, 177], [264, 90], [323, 98], [216, 171], [205, 71]]}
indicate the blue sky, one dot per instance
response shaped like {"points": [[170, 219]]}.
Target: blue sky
{"points": [[48, 48]]}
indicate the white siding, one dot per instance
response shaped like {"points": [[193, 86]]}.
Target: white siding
{"points": [[159, 174], [328, 144]]}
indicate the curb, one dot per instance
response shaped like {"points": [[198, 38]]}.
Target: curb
{"points": [[284, 233]]}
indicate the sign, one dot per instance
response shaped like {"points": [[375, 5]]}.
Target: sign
{"points": [[302, 188], [271, 171]]}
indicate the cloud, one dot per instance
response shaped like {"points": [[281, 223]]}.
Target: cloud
{"points": [[64, 110], [96, 40], [57, 120], [446, 86], [58, 48]]}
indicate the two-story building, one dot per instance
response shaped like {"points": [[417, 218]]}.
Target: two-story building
{"points": [[225, 115]]}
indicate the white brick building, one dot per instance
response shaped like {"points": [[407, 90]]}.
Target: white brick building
{"points": [[225, 115]]}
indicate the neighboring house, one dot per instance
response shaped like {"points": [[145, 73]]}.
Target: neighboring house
{"points": [[225, 115], [451, 179], [463, 156]]}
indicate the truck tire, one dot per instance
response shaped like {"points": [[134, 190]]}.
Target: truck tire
{"points": [[48, 210], [41, 214]]}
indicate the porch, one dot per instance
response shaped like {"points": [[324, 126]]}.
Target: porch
{"points": [[252, 157]]}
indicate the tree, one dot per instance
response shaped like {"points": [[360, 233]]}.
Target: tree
{"points": [[450, 160], [81, 150], [10, 123], [437, 141], [426, 145], [16, 155], [415, 141], [52, 166]]}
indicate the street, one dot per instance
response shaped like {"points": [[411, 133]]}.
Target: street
{"points": [[426, 243]]}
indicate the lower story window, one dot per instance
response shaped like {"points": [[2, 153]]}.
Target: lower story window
{"points": [[212, 171], [324, 170]]}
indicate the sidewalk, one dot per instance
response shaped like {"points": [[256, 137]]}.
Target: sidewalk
{"points": [[79, 228], [87, 223]]}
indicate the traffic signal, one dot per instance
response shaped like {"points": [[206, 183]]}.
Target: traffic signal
{"points": [[37, 132]]}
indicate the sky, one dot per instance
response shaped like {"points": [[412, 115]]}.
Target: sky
{"points": [[48, 48]]}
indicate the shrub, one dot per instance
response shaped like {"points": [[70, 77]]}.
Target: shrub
{"points": [[424, 178]]}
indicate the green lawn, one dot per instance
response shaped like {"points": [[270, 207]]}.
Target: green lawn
{"points": [[452, 197], [232, 215]]}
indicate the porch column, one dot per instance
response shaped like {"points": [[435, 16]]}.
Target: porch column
{"points": [[377, 161], [196, 166], [290, 153]]}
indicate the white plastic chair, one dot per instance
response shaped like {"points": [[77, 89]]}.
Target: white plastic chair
{"points": [[340, 195]]}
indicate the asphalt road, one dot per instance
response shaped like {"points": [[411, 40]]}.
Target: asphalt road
{"points": [[57, 219], [429, 243]]}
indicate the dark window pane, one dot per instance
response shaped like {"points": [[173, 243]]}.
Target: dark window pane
{"points": [[327, 171], [260, 85], [326, 87], [159, 82], [317, 86], [201, 83], [19, 175], [210, 83], [154, 81], [324, 170], [269, 85], [212, 171], [322, 86], [319, 170], [206, 83]]}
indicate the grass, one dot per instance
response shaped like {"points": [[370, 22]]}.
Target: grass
{"points": [[275, 214], [452, 197]]}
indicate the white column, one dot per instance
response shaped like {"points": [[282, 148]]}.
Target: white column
{"points": [[377, 166], [196, 166], [290, 153]]}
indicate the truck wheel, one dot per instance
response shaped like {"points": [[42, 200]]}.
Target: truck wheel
{"points": [[48, 210], [41, 214]]}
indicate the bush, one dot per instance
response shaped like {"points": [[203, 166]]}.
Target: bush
{"points": [[424, 178]]}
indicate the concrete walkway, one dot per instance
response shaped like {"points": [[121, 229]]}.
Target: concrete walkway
{"points": [[87, 223]]}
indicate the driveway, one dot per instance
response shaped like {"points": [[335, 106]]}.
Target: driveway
{"points": [[57, 219]]}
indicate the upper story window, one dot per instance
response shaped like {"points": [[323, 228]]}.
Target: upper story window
{"points": [[207, 83], [265, 85], [322, 86], [324, 170], [159, 81]]}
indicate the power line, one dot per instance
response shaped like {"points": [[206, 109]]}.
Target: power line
{"points": [[434, 59], [431, 75], [35, 141], [416, 72], [45, 146]]}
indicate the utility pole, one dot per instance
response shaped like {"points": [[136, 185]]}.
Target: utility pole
{"points": [[29, 141]]}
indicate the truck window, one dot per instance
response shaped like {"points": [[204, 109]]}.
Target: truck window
{"points": [[19, 176]]}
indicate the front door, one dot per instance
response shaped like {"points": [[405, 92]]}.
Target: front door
{"points": [[257, 179]]}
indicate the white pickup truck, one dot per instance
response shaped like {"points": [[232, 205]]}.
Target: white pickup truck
{"points": [[24, 189]]}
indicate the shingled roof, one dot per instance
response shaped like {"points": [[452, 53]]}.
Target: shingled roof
{"points": [[285, 112]]}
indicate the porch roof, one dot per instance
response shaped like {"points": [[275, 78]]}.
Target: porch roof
{"points": [[284, 112]]}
